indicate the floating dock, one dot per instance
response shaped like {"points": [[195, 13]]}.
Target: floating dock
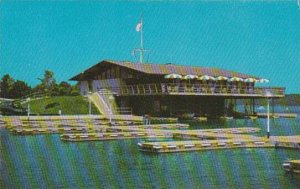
{"points": [[76, 128], [277, 115], [179, 146], [292, 166], [110, 136], [286, 141], [213, 144]]}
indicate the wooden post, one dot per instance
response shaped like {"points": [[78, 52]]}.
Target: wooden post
{"points": [[253, 105], [234, 105], [170, 104], [273, 106], [138, 90], [149, 87]]}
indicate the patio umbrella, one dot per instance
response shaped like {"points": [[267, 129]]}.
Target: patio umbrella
{"points": [[173, 76], [235, 79], [250, 80], [221, 78], [263, 80], [190, 77], [206, 78]]}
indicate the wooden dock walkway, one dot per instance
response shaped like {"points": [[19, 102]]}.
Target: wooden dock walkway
{"points": [[92, 129], [179, 146], [277, 115]]}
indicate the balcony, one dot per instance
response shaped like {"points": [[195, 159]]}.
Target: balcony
{"points": [[197, 89]]}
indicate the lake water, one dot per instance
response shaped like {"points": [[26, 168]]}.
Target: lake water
{"points": [[44, 161]]}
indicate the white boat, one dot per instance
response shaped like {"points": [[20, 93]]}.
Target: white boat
{"points": [[292, 166], [226, 117], [200, 118]]}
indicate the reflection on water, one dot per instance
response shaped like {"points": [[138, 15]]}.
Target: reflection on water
{"points": [[44, 161]]}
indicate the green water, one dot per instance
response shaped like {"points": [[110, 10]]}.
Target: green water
{"points": [[44, 161]]}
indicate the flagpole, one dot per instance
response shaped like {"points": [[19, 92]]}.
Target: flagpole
{"points": [[142, 49]]}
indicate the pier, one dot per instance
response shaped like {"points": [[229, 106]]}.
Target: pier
{"points": [[277, 115], [89, 128]]}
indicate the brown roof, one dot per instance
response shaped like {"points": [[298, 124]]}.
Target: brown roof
{"points": [[163, 69]]}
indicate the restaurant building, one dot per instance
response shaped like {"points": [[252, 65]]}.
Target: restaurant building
{"points": [[169, 89]]}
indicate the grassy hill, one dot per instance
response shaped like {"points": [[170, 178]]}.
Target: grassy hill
{"points": [[69, 105]]}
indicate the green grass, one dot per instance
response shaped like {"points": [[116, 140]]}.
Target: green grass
{"points": [[69, 105]]}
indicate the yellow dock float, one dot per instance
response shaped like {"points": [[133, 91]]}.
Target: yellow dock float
{"points": [[32, 129], [181, 146], [278, 115], [286, 141], [165, 126], [200, 118], [196, 134], [292, 166], [88, 129], [226, 117], [107, 136]]}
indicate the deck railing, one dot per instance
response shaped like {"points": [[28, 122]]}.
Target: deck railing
{"points": [[124, 111], [197, 89]]}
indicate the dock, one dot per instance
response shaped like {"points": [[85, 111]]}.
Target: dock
{"points": [[179, 146], [81, 129], [277, 115]]}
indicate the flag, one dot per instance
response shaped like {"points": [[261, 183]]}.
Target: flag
{"points": [[138, 27]]}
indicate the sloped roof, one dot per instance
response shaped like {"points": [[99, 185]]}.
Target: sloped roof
{"points": [[163, 69]]}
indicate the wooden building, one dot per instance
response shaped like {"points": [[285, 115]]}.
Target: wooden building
{"points": [[168, 89]]}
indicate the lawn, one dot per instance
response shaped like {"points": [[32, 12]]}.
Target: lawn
{"points": [[68, 105]]}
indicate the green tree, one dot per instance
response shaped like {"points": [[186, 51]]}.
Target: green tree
{"points": [[49, 80], [75, 90], [19, 89], [64, 88], [48, 84], [7, 83]]}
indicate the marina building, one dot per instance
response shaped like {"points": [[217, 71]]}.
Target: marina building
{"points": [[120, 87]]}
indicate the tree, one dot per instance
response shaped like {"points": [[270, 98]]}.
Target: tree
{"points": [[7, 83], [19, 89], [48, 84], [49, 80], [75, 90], [64, 88]]}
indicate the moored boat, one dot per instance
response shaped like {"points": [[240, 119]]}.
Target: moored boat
{"points": [[292, 166], [201, 118], [226, 117]]}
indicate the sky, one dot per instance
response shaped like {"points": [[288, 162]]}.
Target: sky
{"points": [[260, 38]]}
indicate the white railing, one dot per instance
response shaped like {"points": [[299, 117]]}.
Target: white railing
{"points": [[124, 111], [196, 89]]}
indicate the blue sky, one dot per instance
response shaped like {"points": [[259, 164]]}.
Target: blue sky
{"points": [[261, 38]]}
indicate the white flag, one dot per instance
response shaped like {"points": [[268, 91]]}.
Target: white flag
{"points": [[138, 27]]}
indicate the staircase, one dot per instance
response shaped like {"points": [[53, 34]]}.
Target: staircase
{"points": [[104, 100], [101, 101]]}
